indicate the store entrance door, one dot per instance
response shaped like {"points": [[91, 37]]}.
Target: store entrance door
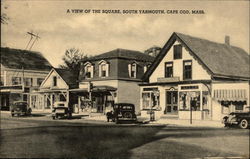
{"points": [[171, 103]]}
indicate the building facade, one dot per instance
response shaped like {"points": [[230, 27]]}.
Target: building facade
{"points": [[22, 72], [55, 89], [111, 77], [194, 78]]}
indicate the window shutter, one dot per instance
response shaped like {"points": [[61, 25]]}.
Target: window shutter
{"points": [[107, 70], [129, 70]]}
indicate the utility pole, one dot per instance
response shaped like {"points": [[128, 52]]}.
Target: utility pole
{"points": [[33, 37]]}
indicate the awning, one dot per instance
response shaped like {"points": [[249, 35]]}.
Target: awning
{"points": [[95, 89], [230, 94]]}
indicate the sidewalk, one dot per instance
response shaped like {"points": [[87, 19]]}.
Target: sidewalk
{"points": [[195, 123]]}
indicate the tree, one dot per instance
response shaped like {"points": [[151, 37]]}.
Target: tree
{"points": [[4, 17], [153, 51], [72, 59]]}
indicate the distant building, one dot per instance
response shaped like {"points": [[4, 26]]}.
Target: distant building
{"points": [[209, 78], [112, 77], [22, 71]]}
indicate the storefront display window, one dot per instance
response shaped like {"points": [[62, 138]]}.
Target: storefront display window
{"points": [[150, 100], [189, 99]]}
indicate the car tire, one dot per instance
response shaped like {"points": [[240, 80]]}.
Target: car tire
{"points": [[243, 124]]}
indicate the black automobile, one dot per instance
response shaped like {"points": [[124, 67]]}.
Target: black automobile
{"points": [[20, 108], [241, 119], [122, 112]]}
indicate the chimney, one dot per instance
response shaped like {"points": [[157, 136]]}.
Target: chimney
{"points": [[227, 40]]}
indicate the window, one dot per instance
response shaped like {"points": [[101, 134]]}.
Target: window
{"points": [[88, 72], [39, 81], [133, 71], [177, 51], [54, 81], [150, 100], [2, 81], [146, 67], [103, 69], [187, 70], [28, 81], [169, 69], [16, 80], [189, 99]]}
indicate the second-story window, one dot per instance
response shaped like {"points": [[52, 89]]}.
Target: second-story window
{"points": [[103, 69], [28, 81], [133, 70], [169, 69], [187, 70], [177, 51], [88, 71], [16, 80], [39, 81], [54, 82]]}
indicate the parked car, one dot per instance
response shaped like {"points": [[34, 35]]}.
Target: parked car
{"points": [[242, 119], [61, 109], [122, 112], [20, 108]]}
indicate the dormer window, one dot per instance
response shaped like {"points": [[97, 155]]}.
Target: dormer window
{"points": [[89, 70], [132, 69], [145, 68], [177, 52], [103, 69]]}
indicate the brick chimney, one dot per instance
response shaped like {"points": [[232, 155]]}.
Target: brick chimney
{"points": [[227, 40]]}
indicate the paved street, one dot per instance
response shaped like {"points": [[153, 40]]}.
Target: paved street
{"points": [[40, 136]]}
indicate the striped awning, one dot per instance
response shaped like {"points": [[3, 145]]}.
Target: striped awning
{"points": [[230, 94]]}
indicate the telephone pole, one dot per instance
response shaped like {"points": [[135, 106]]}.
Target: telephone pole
{"points": [[30, 44]]}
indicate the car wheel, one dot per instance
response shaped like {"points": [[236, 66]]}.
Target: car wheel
{"points": [[243, 124]]}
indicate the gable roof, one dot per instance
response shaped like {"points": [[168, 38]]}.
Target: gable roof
{"points": [[16, 58], [122, 53], [68, 76], [218, 59]]}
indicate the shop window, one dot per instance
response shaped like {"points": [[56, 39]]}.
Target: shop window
{"points": [[187, 70], [150, 100], [225, 107], [54, 82], [169, 69], [16, 80], [177, 51], [28, 81], [189, 99], [39, 81]]}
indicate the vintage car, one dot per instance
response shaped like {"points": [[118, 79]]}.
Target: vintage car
{"points": [[20, 108], [61, 110], [122, 112], [241, 119]]}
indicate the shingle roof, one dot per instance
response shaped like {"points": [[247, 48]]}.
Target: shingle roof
{"points": [[220, 59], [16, 58], [123, 53], [68, 76]]}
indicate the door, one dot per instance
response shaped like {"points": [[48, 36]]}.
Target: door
{"points": [[171, 102]]}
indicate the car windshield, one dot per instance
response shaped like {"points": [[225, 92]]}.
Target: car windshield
{"points": [[20, 104]]}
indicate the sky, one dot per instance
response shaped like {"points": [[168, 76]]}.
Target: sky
{"points": [[96, 33]]}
